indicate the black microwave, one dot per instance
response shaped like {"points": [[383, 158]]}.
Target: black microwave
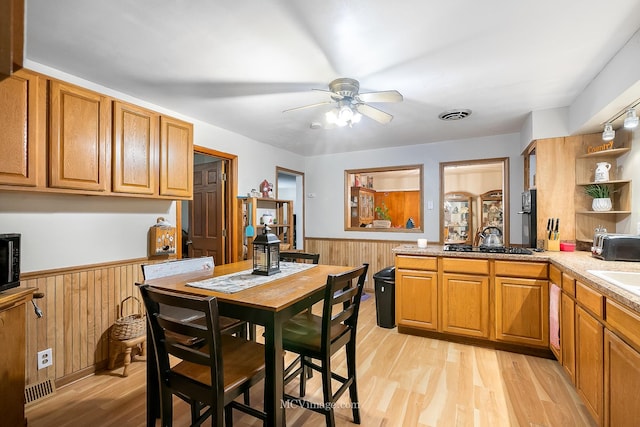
{"points": [[9, 261]]}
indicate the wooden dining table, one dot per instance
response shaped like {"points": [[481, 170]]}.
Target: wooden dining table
{"points": [[268, 305]]}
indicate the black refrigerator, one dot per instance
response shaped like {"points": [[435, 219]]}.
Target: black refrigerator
{"points": [[529, 218]]}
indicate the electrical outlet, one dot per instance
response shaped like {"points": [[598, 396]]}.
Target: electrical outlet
{"points": [[45, 358]]}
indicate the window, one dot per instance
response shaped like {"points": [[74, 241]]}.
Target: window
{"points": [[384, 199]]}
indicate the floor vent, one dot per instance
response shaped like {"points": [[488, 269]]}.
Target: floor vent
{"points": [[38, 391]]}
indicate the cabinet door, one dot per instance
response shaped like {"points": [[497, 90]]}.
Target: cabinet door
{"points": [[135, 148], [79, 146], [22, 120], [417, 299], [589, 362], [621, 383], [567, 335], [12, 365], [465, 305], [176, 158], [522, 311]]}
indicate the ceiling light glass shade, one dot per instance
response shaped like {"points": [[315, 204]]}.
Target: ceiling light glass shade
{"points": [[631, 120], [342, 116], [608, 133]]}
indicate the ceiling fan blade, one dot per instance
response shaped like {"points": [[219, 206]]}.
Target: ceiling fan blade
{"points": [[308, 106], [383, 96], [373, 113]]}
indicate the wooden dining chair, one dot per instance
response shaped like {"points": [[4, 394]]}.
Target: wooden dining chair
{"points": [[207, 369], [315, 337], [297, 256], [228, 325]]}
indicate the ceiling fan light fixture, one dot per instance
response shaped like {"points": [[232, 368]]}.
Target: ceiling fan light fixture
{"points": [[342, 116], [631, 120], [608, 134]]}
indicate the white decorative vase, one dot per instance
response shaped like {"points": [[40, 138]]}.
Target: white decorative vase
{"points": [[601, 205], [381, 223]]}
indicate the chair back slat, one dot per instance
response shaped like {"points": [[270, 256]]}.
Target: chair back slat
{"points": [[296, 256], [342, 302], [179, 266]]}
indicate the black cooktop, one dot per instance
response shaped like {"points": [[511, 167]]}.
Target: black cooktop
{"points": [[488, 249]]}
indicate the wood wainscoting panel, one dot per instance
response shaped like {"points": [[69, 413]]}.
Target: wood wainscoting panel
{"points": [[79, 305], [378, 253]]}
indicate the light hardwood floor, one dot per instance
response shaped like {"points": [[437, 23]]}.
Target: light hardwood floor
{"points": [[402, 381]]}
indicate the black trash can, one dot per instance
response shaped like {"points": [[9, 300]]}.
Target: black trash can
{"points": [[385, 283]]}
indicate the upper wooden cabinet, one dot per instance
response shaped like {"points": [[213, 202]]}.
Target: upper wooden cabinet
{"points": [[135, 148], [57, 137], [79, 124], [23, 137], [176, 158], [11, 36]]}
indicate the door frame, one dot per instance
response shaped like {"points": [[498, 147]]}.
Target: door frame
{"points": [[230, 210], [300, 222]]}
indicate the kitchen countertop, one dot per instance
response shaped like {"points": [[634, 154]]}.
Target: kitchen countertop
{"points": [[574, 263]]}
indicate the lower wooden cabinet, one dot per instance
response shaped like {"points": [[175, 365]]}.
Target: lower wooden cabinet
{"points": [[417, 299], [465, 305], [522, 307], [567, 335], [621, 383], [589, 362], [12, 362]]}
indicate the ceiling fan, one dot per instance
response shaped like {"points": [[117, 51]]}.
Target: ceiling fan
{"points": [[351, 104]]}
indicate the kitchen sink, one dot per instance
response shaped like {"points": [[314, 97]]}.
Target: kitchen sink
{"points": [[627, 280]]}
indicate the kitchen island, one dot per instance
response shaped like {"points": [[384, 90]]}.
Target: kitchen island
{"points": [[517, 302]]}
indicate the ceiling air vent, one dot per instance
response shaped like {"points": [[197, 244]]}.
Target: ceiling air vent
{"points": [[454, 114]]}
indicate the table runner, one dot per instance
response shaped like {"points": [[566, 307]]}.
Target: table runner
{"points": [[236, 282]]}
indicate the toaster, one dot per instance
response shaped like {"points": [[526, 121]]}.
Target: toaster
{"points": [[616, 247]]}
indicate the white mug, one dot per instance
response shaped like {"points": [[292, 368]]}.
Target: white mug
{"points": [[422, 243]]}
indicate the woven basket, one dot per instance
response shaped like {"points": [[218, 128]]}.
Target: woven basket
{"points": [[131, 326]]}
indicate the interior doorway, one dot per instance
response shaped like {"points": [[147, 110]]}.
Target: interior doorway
{"points": [[205, 220], [290, 186]]}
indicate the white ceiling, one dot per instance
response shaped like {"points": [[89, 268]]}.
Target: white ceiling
{"points": [[238, 64]]}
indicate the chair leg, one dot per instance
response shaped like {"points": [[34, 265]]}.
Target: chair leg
{"points": [[114, 350], [127, 360], [166, 408], [228, 416], [303, 375], [353, 388], [327, 392]]}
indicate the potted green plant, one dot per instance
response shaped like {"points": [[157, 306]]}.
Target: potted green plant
{"points": [[601, 197], [383, 219]]}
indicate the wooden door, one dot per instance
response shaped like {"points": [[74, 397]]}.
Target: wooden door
{"points": [[79, 146], [23, 137], [621, 383], [176, 158], [465, 305], [135, 148], [206, 212], [417, 299], [522, 311], [567, 335], [590, 363]]}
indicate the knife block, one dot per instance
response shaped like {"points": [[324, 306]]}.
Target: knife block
{"points": [[552, 245]]}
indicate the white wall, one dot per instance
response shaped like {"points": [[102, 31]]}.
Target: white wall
{"points": [[325, 178], [631, 170], [70, 230]]}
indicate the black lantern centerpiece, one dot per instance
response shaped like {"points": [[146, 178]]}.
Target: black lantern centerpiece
{"points": [[266, 253]]}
